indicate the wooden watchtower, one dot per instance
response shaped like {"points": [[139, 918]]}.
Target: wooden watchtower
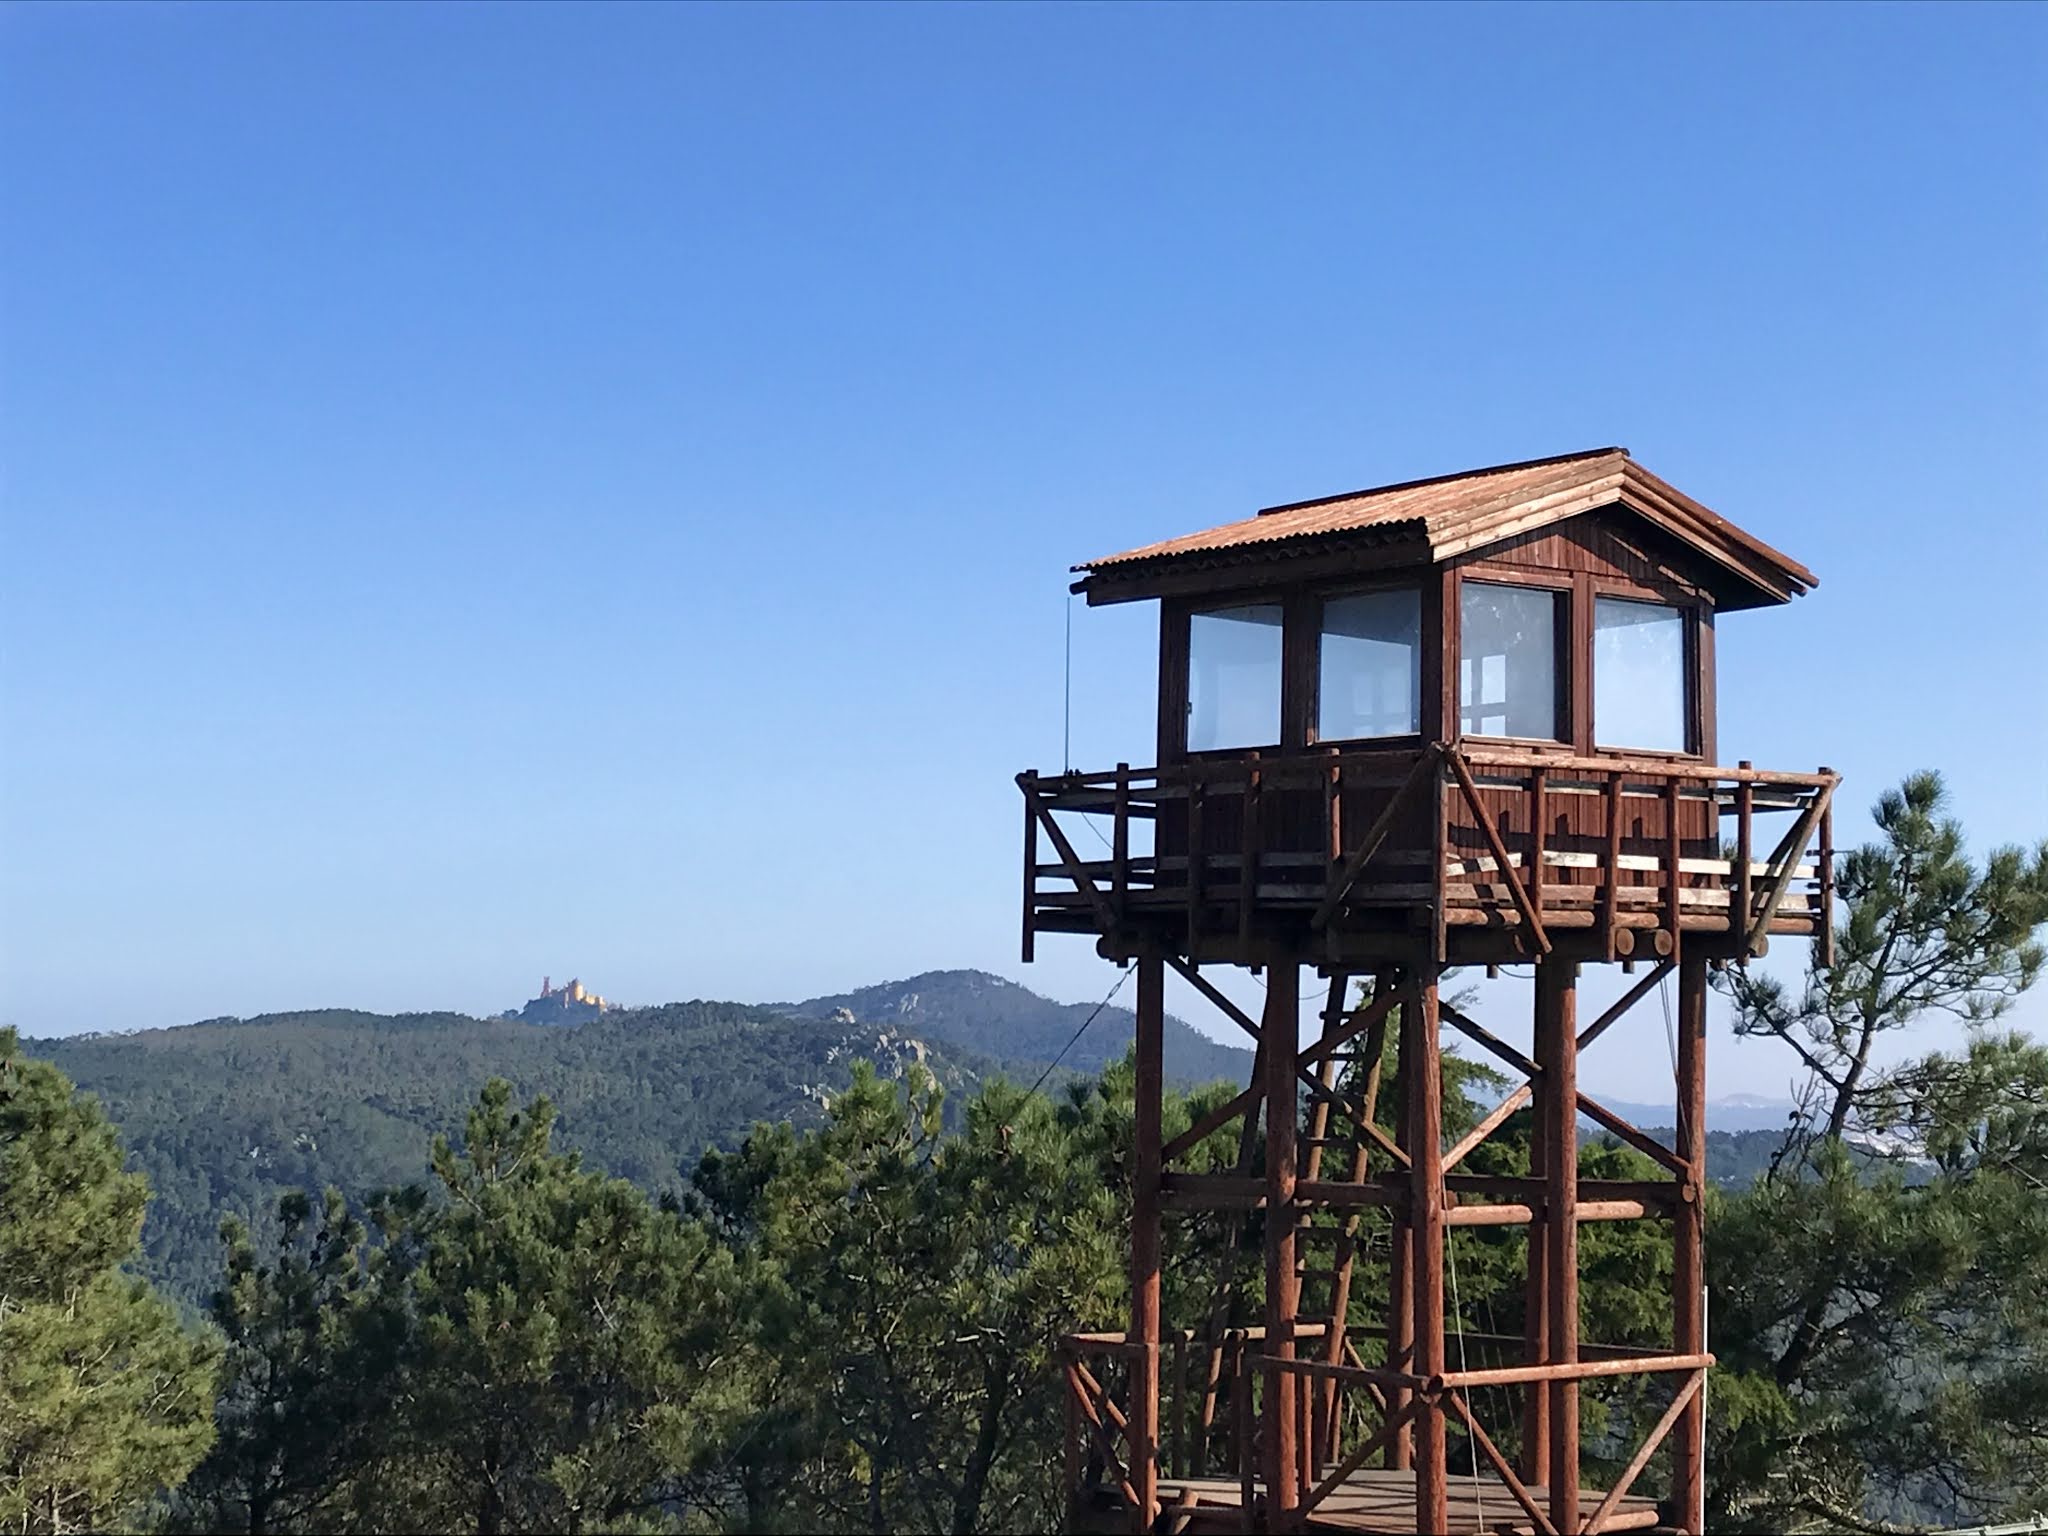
{"points": [[1466, 721]]}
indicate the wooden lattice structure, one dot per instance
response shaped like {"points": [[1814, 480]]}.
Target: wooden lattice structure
{"points": [[1434, 782]]}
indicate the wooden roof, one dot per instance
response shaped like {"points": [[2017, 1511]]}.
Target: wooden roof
{"points": [[1450, 515]]}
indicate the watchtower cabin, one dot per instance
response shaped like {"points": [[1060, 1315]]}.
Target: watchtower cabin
{"points": [[1466, 721]]}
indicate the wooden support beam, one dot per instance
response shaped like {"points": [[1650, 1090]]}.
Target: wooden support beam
{"points": [[1646, 1144], [1688, 1270], [1674, 874], [1506, 870], [1557, 1050], [1086, 1394], [1374, 837], [1535, 1297], [1381, 1439], [1579, 1370], [1628, 1000], [1786, 861], [1326, 1074], [1495, 1118], [1386, 988], [1480, 1035], [1076, 867], [1028, 782], [1212, 1122], [1120, 845], [1484, 1443], [1207, 988], [1428, 1233], [1361, 1021], [1508, 1213], [1681, 1408], [1379, 1138], [1743, 911], [1145, 1224], [1827, 887], [1281, 1031], [1612, 908], [1400, 1324], [1248, 852]]}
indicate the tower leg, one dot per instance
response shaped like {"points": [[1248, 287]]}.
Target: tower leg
{"points": [[1688, 1277], [1401, 1266], [1426, 1225], [1558, 1095], [1144, 1334], [1280, 1032], [1536, 1318]]}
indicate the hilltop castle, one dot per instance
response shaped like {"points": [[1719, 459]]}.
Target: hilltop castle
{"points": [[570, 1003], [571, 995]]}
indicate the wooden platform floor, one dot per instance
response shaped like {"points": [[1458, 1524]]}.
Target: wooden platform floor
{"points": [[1378, 1502]]}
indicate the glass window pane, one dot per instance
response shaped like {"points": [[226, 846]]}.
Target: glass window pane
{"points": [[1507, 667], [1638, 675], [1234, 678], [1371, 676]]}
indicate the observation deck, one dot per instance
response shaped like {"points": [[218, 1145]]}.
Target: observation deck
{"points": [[1459, 853]]}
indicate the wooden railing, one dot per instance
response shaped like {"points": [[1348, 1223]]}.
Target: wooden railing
{"points": [[1346, 1416], [1210, 1391], [1636, 851]]}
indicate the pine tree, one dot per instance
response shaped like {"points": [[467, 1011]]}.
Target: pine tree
{"points": [[1881, 1296], [566, 1373], [314, 1346], [105, 1399]]}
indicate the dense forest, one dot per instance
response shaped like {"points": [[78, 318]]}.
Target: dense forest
{"points": [[227, 1116], [848, 1324]]}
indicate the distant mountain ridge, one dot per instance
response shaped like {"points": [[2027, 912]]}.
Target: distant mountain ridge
{"points": [[226, 1114], [984, 1013]]}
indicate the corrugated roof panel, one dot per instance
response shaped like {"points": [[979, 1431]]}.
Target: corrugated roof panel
{"points": [[1453, 514], [1439, 505]]}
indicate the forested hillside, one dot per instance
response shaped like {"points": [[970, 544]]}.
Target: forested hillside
{"points": [[225, 1115]]}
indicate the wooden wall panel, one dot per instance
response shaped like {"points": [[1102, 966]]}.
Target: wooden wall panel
{"points": [[1618, 548]]}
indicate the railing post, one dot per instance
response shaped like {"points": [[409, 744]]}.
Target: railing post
{"points": [[1745, 856], [1441, 850], [1827, 882], [1674, 850], [1071, 1448], [1612, 906], [1028, 782], [1120, 848], [1333, 816], [1248, 851]]}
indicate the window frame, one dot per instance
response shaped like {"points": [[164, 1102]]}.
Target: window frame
{"points": [[1696, 614], [1564, 650], [1320, 600], [1688, 673], [1183, 692]]}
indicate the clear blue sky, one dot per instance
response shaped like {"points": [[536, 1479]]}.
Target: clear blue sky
{"points": [[494, 490]]}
